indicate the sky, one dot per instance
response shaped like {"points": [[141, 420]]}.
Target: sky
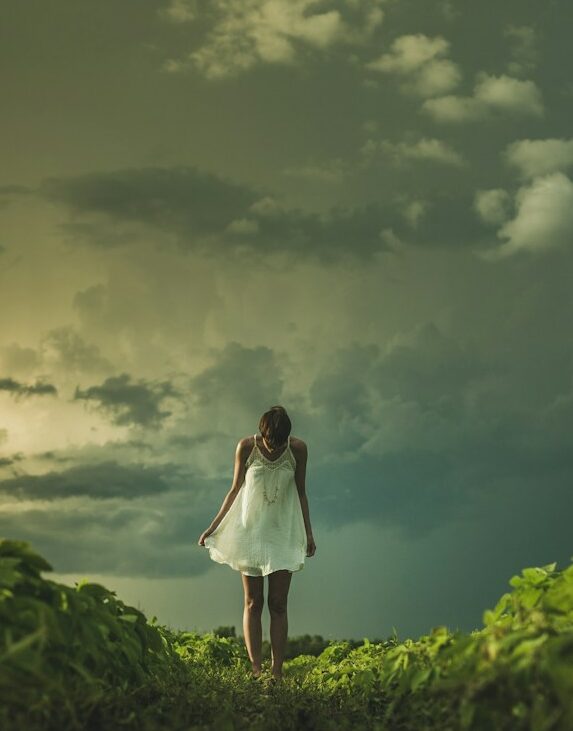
{"points": [[361, 210]]}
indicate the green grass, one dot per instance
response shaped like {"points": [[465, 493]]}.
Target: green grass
{"points": [[79, 658]]}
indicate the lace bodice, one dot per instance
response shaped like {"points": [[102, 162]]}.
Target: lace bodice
{"points": [[287, 458]]}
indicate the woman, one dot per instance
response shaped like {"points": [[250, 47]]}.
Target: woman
{"points": [[263, 529]]}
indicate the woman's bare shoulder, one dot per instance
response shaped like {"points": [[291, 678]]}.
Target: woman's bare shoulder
{"points": [[298, 446], [246, 444]]}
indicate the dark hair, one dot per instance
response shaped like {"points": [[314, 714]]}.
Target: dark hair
{"points": [[275, 426]]}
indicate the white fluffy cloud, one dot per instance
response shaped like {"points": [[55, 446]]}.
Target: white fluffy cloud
{"points": [[419, 60], [492, 205], [491, 94], [544, 218], [539, 157], [245, 33]]}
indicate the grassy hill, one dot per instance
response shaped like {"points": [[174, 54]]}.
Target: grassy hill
{"points": [[79, 658]]}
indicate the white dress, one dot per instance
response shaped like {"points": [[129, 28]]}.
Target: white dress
{"points": [[263, 530]]}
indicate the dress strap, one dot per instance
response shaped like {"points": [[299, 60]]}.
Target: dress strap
{"points": [[288, 441]]}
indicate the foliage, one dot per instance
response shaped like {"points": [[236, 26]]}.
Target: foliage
{"points": [[78, 657]]}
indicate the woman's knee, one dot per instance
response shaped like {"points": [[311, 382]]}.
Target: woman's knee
{"points": [[254, 604], [277, 605]]}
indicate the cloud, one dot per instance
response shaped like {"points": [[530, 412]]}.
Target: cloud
{"points": [[243, 226], [419, 60], [448, 9], [66, 348], [426, 148], [18, 389], [19, 359], [429, 367], [492, 205], [414, 211], [168, 207], [179, 11], [62, 348], [405, 431], [455, 109], [428, 428], [183, 200], [544, 218], [444, 220], [138, 539], [539, 157], [107, 479], [491, 94], [423, 372], [130, 403], [256, 369], [6, 461], [523, 40], [246, 33], [203, 212], [408, 435], [330, 171]]}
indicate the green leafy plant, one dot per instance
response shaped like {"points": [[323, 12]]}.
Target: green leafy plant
{"points": [[78, 657]]}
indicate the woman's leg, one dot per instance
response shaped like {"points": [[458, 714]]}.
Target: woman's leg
{"points": [[279, 583], [252, 613]]}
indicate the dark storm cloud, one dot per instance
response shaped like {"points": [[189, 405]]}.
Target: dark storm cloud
{"points": [[130, 403], [413, 489], [203, 211], [419, 491], [426, 366], [110, 541], [20, 389], [8, 461], [418, 436], [98, 481], [155, 539], [51, 456], [241, 378], [431, 368], [74, 353], [182, 200]]}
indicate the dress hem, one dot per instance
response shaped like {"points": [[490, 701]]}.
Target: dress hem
{"points": [[216, 556]]}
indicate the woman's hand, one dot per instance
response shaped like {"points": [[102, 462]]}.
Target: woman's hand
{"points": [[310, 546], [204, 535]]}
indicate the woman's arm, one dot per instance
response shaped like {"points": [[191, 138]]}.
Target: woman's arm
{"points": [[300, 479], [241, 454]]}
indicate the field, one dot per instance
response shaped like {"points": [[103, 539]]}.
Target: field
{"points": [[79, 658]]}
